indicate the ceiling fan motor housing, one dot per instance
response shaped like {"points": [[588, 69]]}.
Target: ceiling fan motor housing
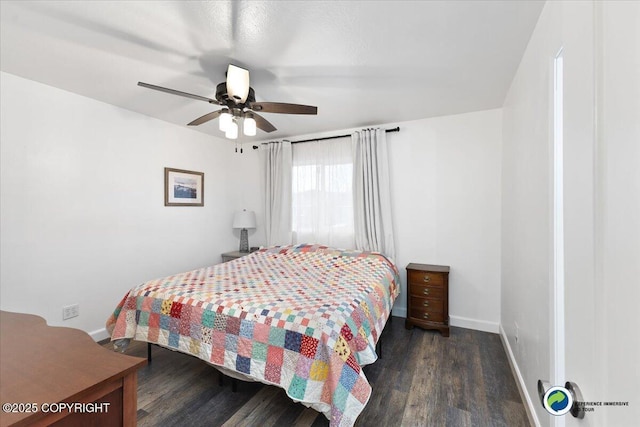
{"points": [[223, 96]]}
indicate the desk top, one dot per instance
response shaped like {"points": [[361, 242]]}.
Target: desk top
{"points": [[45, 364]]}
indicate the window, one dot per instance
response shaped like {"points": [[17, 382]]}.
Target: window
{"points": [[322, 195]]}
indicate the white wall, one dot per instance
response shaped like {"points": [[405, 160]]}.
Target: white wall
{"points": [[445, 185], [618, 210], [600, 42], [82, 211], [75, 230], [245, 172], [526, 207]]}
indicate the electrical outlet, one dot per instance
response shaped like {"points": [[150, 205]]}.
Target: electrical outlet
{"points": [[70, 311], [517, 331]]}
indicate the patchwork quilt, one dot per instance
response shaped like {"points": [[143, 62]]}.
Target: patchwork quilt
{"points": [[305, 318]]}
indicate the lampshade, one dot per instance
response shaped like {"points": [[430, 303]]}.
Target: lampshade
{"points": [[232, 130], [244, 219], [237, 83], [249, 125], [225, 120]]}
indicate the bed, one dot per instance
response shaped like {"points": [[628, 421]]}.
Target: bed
{"points": [[305, 318]]}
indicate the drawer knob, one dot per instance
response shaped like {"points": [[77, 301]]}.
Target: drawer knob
{"points": [[426, 315], [426, 303], [426, 292], [426, 278]]}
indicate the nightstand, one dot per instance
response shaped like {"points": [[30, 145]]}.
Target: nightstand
{"points": [[428, 297], [230, 256]]}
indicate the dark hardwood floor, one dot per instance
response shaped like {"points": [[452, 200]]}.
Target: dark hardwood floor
{"points": [[422, 379]]}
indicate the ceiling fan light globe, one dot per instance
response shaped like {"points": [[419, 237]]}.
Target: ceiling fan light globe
{"points": [[232, 131], [249, 126], [225, 121], [237, 83]]}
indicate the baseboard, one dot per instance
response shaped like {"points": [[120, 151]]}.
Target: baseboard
{"points": [[478, 325], [462, 322], [399, 312], [99, 335], [524, 394]]}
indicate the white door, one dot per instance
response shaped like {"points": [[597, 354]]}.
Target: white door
{"points": [[582, 358], [601, 211]]}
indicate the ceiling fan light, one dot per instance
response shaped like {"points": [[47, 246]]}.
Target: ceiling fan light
{"points": [[232, 130], [225, 120], [237, 83], [249, 126]]}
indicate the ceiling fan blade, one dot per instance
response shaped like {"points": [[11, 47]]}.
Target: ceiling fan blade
{"points": [[263, 123], [237, 83], [205, 118], [177, 92], [283, 108]]}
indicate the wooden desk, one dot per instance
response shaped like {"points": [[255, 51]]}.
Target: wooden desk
{"points": [[42, 366]]}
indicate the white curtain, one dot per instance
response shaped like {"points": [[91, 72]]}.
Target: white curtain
{"points": [[276, 163], [371, 193], [322, 200]]}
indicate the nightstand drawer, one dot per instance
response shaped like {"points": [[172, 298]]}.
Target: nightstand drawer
{"points": [[429, 304], [425, 291], [427, 316], [426, 278]]}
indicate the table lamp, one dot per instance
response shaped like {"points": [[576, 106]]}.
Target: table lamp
{"points": [[243, 220]]}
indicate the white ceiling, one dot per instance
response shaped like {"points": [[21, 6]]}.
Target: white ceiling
{"points": [[362, 63]]}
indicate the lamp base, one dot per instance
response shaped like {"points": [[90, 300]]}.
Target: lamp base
{"points": [[244, 240]]}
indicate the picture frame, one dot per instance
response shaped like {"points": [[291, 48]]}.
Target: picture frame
{"points": [[183, 187]]}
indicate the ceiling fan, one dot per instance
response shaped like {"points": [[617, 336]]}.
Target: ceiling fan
{"points": [[239, 104]]}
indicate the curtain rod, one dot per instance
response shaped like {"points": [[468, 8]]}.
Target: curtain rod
{"points": [[396, 129]]}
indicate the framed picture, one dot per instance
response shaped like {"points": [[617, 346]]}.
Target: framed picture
{"points": [[183, 188]]}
